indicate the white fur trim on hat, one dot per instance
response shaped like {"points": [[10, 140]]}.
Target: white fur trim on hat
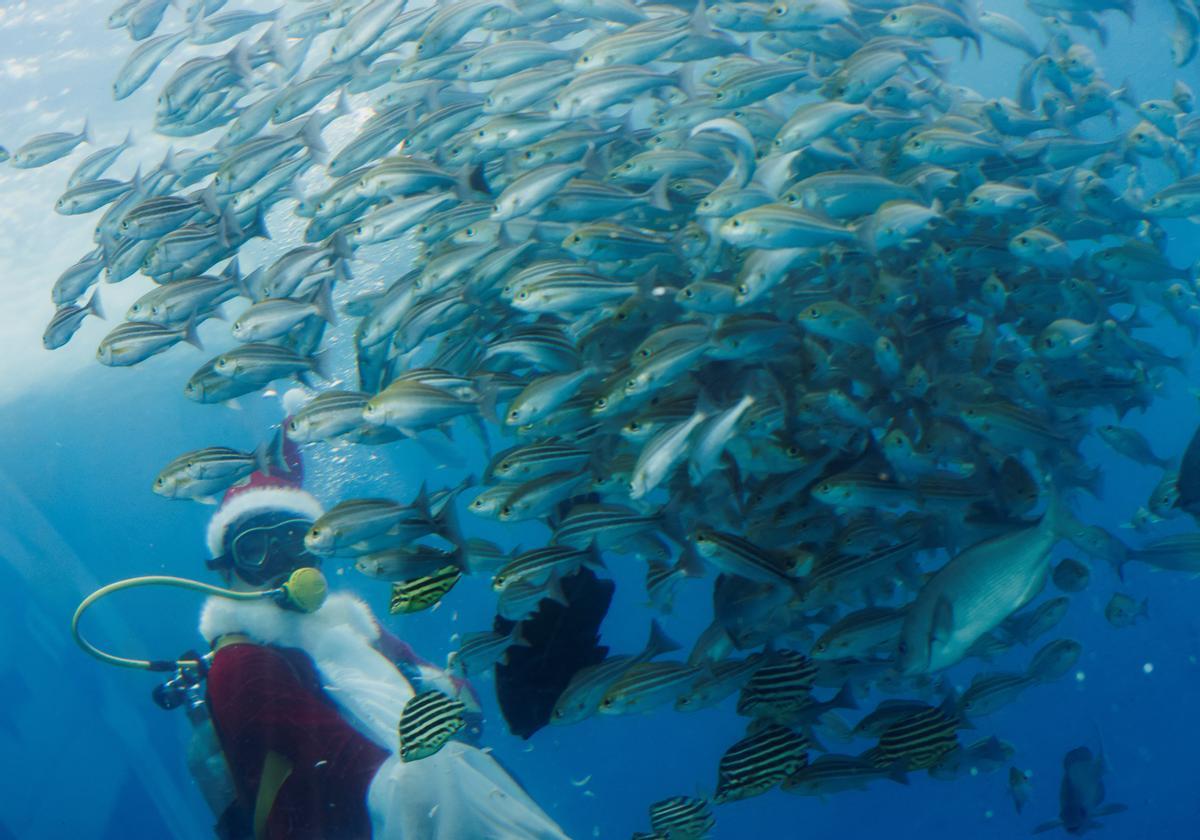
{"points": [[259, 500]]}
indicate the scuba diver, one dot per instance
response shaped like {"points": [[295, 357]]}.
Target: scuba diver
{"points": [[297, 705]]}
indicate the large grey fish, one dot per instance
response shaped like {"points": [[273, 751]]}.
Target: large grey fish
{"points": [[977, 590]]}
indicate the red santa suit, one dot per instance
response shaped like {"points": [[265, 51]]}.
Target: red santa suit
{"points": [[308, 706]]}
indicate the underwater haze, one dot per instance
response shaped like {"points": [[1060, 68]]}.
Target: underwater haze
{"points": [[886, 311]]}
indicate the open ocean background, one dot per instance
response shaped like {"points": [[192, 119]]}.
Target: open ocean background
{"points": [[86, 754]]}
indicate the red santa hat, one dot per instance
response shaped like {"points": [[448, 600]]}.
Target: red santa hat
{"points": [[277, 488]]}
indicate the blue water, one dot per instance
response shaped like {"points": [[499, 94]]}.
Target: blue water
{"points": [[86, 753]]}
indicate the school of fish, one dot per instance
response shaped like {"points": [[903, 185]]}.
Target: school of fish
{"points": [[749, 293]]}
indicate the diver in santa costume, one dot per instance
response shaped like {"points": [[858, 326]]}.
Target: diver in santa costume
{"points": [[306, 705], [297, 706]]}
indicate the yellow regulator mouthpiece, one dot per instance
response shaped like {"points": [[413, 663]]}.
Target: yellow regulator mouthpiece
{"points": [[305, 590]]}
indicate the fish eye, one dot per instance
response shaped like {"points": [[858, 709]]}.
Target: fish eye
{"points": [[514, 414], [893, 17], [688, 293], [1022, 240], [601, 402], [736, 223]]}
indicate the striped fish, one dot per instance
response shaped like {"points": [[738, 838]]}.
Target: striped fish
{"points": [[885, 714], [350, 521], [410, 596], [758, 762], [646, 686], [535, 460], [581, 698], [836, 773], [479, 651], [734, 555], [609, 526], [536, 566], [917, 741], [661, 583], [780, 686], [682, 818], [836, 575], [428, 721], [724, 679]]}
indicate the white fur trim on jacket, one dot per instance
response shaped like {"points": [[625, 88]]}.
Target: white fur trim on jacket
{"points": [[459, 792], [259, 500], [339, 638]]}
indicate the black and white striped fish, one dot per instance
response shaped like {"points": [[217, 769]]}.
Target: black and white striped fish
{"points": [[917, 741], [428, 721], [760, 761], [409, 596], [781, 685], [682, 818]]}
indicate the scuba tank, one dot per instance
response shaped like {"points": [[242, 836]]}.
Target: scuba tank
{"points": [[205, 758]]}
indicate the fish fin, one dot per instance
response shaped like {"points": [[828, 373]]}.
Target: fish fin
{"points": [[93, 305], [658, 195], [341, 247], [943, 620], [86, 133], [470, 181], [247, 283], [658, 643], [554, 592], [211, 203], [845, 698], [322, 299], [593, 558], [239, 57], [275, 42], [229, 229], [321, 363], [310, 136], [259, 227], [190, 335], [1047, 826], [699, 21]]}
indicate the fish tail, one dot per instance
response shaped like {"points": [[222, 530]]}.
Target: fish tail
{"points": [[1058, 518]]}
